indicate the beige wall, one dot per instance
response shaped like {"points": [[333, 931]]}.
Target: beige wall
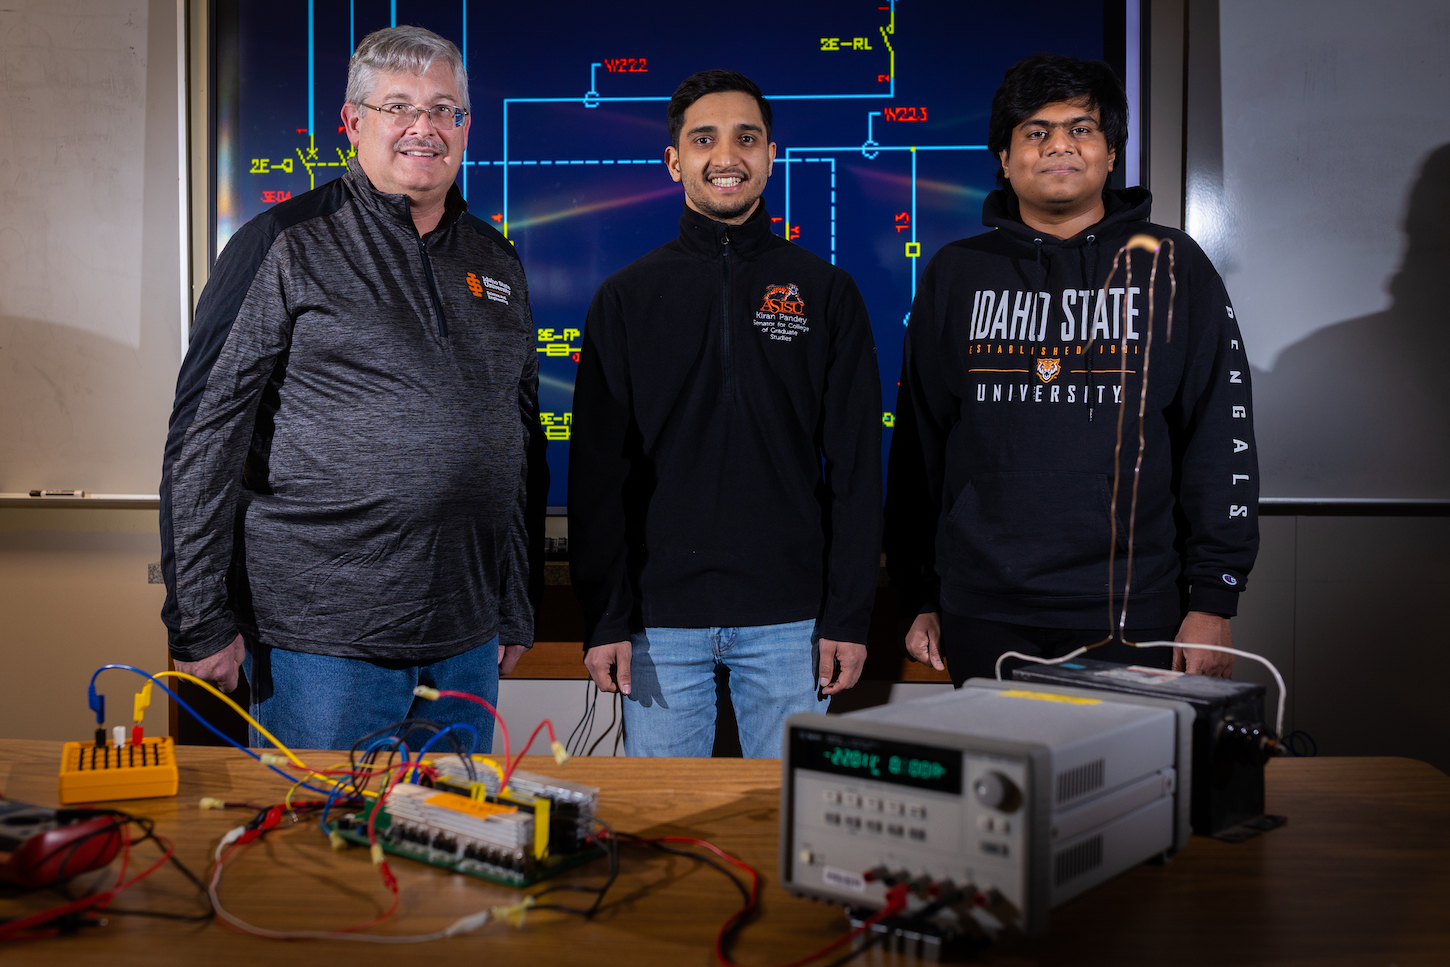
{"points": [[74, 596]]}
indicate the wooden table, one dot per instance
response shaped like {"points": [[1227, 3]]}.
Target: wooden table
{"points": [[1360, 875]]}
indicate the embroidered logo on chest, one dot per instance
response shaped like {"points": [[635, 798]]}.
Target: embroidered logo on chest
{"points": [[482, 286], [781, 315], [1047, 369]]}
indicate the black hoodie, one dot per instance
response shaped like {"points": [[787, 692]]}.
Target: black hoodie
{"points": [[724, 464], [1001, 476]]}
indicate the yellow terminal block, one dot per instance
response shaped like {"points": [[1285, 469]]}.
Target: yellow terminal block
{"points": [[92, 774]]}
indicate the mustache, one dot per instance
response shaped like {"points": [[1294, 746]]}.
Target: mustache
{"points": [[404, 144]]}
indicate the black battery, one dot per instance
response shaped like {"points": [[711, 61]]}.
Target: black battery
{"points": [[1231, 741]]}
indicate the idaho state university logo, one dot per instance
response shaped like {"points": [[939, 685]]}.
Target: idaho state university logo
{"points": [[493, 288], [1047, 369], [783, 298]]}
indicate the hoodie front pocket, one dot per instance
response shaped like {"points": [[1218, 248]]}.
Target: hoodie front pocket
{"points": [[1031, 533]]}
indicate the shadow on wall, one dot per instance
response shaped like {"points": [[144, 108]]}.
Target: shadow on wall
{"points": [[1361, 408], [79, 410]]}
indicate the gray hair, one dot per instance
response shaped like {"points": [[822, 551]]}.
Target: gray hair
{"points": [[401, 50]]}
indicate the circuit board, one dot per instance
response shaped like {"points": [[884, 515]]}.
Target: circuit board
{"points": [[512, 837]]}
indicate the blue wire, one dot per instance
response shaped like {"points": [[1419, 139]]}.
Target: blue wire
{"points": [[337, 789], [463, 726], [97, 702]]}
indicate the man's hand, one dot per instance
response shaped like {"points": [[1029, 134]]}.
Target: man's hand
{"points": [[508, 657], [609, 666], [1201, 628], [219, 669], [923, 640], [852, 658]]}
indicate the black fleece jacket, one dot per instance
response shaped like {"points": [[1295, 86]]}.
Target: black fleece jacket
{"points": [[724, 459], [1000, 487]]}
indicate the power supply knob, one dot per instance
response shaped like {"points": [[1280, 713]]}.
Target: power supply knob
{"points": [[996, 791]]}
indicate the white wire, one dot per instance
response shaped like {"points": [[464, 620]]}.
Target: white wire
{"points": [[461, 926], [1278, 679]]}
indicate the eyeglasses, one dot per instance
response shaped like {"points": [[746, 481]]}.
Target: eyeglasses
{"points": [[403, 115]]}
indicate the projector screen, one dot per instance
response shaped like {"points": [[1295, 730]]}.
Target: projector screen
{"points": [[880, 110]]}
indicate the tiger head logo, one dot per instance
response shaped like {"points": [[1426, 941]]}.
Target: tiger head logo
{"points": [[783, 298], [1047, 369]]}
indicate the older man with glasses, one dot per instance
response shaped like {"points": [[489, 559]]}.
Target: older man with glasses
{"points": [[353, 483]]}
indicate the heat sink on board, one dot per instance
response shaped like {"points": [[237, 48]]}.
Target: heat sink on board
{"points": [[517, 838]]}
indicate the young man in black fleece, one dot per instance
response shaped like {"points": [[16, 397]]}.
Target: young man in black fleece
{"points": [[1000, 480], [724, 483]]}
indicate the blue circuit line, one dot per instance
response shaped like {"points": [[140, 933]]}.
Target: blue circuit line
{"points": [[464, 4], [393, 13], [913, 148], [311, 66], [913, 223], [898, 147]]}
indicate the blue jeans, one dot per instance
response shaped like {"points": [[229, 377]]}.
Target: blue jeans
{"points": [[320, 702], [670, 710]]}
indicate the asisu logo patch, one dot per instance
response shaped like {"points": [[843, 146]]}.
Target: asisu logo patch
{"points": [[1047, 369], [482, 286], [783, 298], [782, 313]]}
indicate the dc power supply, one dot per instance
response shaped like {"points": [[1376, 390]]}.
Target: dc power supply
{"points": [[1015, 797]]}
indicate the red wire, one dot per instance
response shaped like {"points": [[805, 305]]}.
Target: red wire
{"points": [[502, 726], [14, 927], [389, 880], [895, 902], [511, 766]]}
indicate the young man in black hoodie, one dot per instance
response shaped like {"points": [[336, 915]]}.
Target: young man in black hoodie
{"points": [[1000, 505], [724, 477]]}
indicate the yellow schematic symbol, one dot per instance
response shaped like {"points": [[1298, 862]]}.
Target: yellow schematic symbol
{"points": [[913, 250], [556, 425]]}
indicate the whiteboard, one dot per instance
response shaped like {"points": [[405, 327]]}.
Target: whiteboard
{"points": [[90, 263], [1327, 221]]}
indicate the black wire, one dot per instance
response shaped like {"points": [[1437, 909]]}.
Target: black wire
{"points": [[1311, 748], [148, 830], [709, 860], [612, 850], [589, 719], [569, 742], [613, 717]]}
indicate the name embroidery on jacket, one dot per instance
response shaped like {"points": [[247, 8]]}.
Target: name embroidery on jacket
{"points": [[781, 315]]}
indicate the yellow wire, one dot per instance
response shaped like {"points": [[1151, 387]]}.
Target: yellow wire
{"points": [[282, 748], [287, 800], [240, 711]]}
